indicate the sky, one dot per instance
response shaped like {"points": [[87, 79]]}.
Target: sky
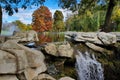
{"points": [[26, 15]]}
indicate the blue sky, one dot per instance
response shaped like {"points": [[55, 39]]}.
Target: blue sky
{"points": [[25, 15]]}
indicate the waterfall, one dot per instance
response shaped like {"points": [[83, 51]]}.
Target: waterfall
{"points": [[88, 67]]}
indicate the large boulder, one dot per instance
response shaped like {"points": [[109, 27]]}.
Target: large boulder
{"points": [[59, 49], [7, 63], [25, 36], [18, 58]]}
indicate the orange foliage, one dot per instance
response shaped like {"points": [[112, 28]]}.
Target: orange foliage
{"points": [[43, 38], [42, 19]]}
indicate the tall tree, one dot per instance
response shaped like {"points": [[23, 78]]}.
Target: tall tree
{"points": [[107, 22], [58, 21], [11, 6], [83, 5], [42, 19]]}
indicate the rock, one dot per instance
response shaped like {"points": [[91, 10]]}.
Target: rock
{"points": [[66, 78], [94, 47], [101, 38], [51, 48], [82, 37], [26, 58], [7, 63], [107, 38], [8, 77], [2, 39], [117, 35], [59, 49], [34, 57], [30, 73], [25, 36], [65, 50], [97, 48], [44, 77]]}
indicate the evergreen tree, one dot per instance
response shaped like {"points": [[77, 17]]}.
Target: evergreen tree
{"points": [[58, 21]]}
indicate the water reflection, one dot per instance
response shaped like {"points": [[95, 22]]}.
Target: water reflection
{"points": [[50, 37]]}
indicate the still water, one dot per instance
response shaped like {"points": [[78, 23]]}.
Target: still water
{"points": [[48, 37]]}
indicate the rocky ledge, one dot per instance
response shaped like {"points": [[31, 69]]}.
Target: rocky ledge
{"points": [[18, 62], [98, 41]]}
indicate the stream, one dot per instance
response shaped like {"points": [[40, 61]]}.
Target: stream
{"points": [[88, 68]]}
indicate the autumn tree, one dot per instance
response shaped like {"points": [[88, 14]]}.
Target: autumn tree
{"points": [[42, 19], [11, 6], [58, 21]]}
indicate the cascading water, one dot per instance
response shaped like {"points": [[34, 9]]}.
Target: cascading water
{"points": [[88, 67]]}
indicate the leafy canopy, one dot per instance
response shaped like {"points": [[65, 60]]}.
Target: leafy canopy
{"points": [[58, 21], [12, 6], [42, 19]]}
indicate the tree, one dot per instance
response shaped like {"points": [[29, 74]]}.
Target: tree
{"points": [[42, 19], [116, 18], [11, 6], [58, 21], [22, 26], [83, 5]]}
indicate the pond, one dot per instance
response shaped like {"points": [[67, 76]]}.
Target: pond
{"points": [[48, 37]]}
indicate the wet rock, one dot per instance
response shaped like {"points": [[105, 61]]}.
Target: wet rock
{"points": [[66, 78], [25, 36], [8, 77], [44, 77]]}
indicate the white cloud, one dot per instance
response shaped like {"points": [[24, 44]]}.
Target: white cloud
{"points": [[26, 15]]}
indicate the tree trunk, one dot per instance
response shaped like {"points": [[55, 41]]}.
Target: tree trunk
{"points": [[0, 19], [106, 26]]}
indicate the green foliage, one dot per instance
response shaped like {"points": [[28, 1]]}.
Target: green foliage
{"points": [[86, 22], [116, 17], [58, 21], [59, 25], [69, 4], [58, 15], [12, 6], [84, 7], [22, 26]]}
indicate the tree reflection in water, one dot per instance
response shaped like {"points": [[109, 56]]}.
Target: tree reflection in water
{"points": [[50, 37]]}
